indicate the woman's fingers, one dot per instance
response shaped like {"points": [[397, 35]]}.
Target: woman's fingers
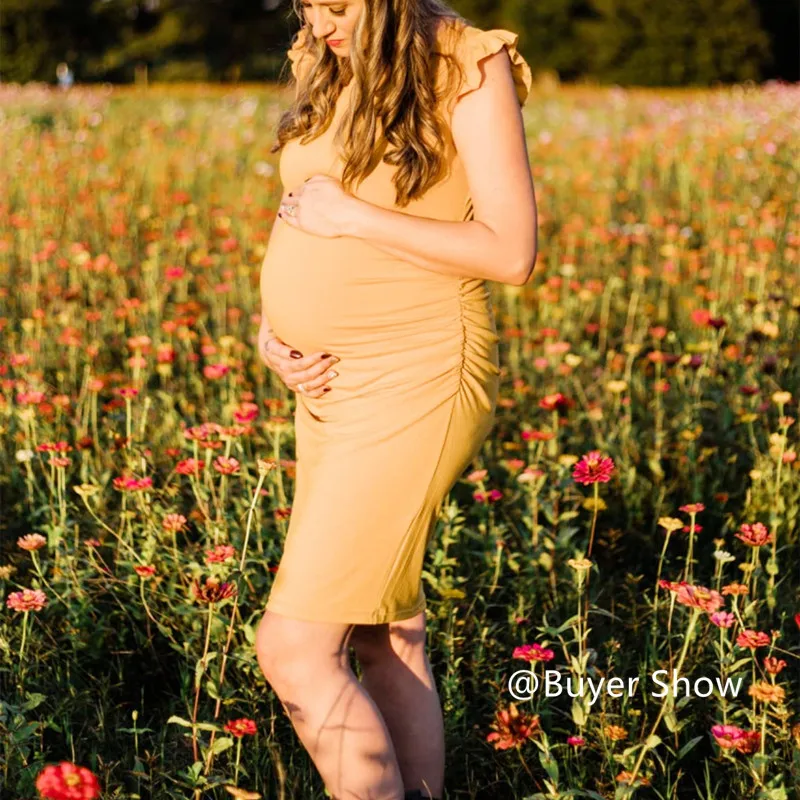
{"points": [[313, 371]]}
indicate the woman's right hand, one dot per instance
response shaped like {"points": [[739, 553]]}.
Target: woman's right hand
{"points": [[313, 371]]}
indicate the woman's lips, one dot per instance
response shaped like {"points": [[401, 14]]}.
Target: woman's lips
{"points": [[334, 42]]}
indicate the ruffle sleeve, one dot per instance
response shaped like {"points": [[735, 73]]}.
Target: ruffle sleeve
{"points": [[300, 60], [472, 45]]}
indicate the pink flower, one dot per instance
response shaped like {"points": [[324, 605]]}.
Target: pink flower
{"points": [[754, 535], [31, 541], [533, 652], [27, 600], [594, 467], [699, 597], [723, 619], [173, 522], [576, 741], [729, 737], [220, 554], [227, 466]]}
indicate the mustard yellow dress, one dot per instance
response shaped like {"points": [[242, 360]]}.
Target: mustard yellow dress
{"points": [[417, 387]]}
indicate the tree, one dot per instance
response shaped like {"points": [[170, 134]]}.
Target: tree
{"points": [[684, 42]]}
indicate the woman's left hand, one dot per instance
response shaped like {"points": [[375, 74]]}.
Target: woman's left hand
{"points": [[319, 206]]}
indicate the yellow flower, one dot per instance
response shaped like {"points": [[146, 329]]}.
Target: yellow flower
{"points": [[781, 398], [670, 524]]}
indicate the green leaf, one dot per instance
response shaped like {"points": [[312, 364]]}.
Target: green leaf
{"points": [[688, 746], [221, 745], [550, 765]]}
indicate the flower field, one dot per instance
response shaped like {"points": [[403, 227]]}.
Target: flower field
{"points": [[633, 518]]}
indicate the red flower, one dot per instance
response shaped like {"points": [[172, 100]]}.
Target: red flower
{"points": [[67, 782], [241, 727]]}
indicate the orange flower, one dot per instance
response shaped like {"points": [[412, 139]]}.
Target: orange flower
{"points": [[753, 639], [214, 590], [145, 570], [773, 665], [615, 733], [67, 782], [627, 779], [31, 541], [512, 728], [767, 692], [173, 522], [735, 589]]}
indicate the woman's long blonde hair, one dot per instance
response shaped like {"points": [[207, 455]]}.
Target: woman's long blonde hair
{"points": [[392, 63]]}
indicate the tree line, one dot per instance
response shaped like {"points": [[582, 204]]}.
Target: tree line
{"points": [[627, 42]]}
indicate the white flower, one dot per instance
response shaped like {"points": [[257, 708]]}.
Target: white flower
{"points": [[724, 556], [24, 455]]}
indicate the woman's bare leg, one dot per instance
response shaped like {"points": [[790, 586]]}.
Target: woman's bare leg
{"points": [[307, 665], [397, 674]]}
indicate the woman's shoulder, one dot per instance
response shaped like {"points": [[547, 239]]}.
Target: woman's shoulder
{"points": [[468, 45]]}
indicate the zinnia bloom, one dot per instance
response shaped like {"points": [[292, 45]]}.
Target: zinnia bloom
{"points": [[698, 597], [214, 591], [220, 554], [576, 741], [145, 570], [729, 737], [767, 692], [67, 781], [533, 652], [754, 535], [512, 728], [753, 639], [773, 665], [27, 600], [615, 732], [173, 522], [723, 619], [31, 541], [594, 467], [227, 466], [241, 727]]}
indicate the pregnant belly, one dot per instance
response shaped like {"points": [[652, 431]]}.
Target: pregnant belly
{"points": [[343, 294]]}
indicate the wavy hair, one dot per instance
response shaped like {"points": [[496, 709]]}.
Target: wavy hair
{"points": [[393, 115]]}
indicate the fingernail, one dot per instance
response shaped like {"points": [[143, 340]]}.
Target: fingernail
{"points": [[326, 355], [332, 373], [296, 354], [326, 389]]}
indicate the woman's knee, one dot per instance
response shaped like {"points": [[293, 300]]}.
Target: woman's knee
{"points": [[291, 652]]}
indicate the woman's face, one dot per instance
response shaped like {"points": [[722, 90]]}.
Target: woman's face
{"points": [[333, 21]]}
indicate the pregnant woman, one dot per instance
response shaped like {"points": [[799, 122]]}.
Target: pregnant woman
{"points": [[407, 186]]}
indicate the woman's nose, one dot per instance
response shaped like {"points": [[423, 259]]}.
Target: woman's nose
{"points": [[322, 28]]}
